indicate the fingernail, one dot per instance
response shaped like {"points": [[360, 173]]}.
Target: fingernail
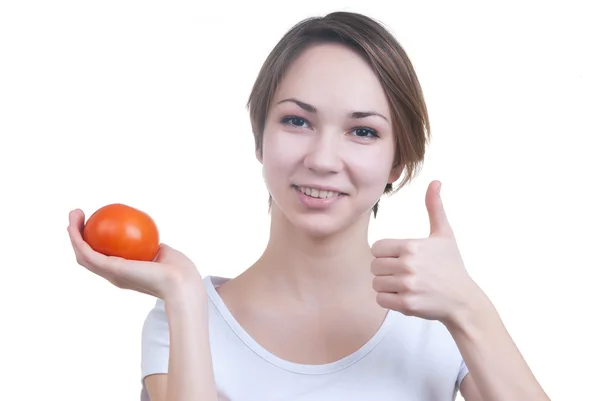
{"points": [[440, 187]]}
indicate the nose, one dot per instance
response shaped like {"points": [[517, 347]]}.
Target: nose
{"points": [[323, 156]]}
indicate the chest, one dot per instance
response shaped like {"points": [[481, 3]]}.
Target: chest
{"points": [[314, 337], [382, 373], [333, 357]]}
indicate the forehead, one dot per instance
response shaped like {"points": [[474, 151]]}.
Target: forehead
{"points": [[333, 77]]}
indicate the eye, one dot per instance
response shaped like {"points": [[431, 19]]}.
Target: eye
{"points": [[295, 121], [365, 133]]}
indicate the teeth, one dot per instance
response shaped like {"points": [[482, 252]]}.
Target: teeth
{"points": [[315, 193]]}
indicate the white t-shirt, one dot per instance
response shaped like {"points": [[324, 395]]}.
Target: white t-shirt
{"points": [[408, 359]]}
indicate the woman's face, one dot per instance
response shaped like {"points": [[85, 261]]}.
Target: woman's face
{"points": [[328, 145]]}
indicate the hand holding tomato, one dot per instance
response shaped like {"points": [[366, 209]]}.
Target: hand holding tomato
{"points": [[162, 277]]}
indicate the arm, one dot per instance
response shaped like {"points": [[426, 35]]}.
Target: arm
{"points": [[173, 278], [427, 278], [497, 370], [190, 374]]}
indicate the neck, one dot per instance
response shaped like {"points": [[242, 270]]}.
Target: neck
{"points": [[312, 269]]}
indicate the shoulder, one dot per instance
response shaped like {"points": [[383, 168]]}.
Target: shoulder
{"points": [[156, 320], [155, 330], [426, 351], [155, 341], [428, 342]]}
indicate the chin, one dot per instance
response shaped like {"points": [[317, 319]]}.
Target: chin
{"points": [[318, 226]]}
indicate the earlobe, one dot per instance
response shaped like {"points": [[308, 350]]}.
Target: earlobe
{"points": [[258, 154]]}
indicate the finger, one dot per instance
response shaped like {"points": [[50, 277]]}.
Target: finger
{"points": [[82, 248], [75, 227], [391, 301], [77, 219], [75, 238], [438, 220], [391, 284], [384, 266], [390, 248], [168, 255], [86, 256], [397, 248]]}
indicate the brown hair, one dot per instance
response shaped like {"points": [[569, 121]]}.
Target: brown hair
{"points": [[389, 62]]}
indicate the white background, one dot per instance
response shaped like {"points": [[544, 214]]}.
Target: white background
{"points": [[143, 102]]}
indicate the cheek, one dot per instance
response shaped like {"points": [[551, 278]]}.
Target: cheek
{"points": [[282, 151], [371, 165]]}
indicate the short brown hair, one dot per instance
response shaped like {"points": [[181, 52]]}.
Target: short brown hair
{"points": [[387, 58]]}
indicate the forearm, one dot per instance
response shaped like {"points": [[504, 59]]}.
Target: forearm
{"points": [[497, 367], [191, 375]]}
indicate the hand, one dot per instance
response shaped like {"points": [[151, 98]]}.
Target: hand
{"points": [[160, 278], [424, 277]]}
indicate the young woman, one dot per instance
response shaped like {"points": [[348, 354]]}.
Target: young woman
{"points": [[338, 117]]}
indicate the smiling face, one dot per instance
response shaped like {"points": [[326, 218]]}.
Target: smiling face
{"points": [[328, 146]]}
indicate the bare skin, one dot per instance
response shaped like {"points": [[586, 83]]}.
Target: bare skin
{"points": [[320, 291], [175, 279]]}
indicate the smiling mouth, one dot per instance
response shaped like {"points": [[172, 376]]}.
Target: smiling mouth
{"points": [[317, 193]]}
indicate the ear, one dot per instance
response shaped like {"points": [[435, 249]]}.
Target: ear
{"points": [[258, 154], [395, 173]]}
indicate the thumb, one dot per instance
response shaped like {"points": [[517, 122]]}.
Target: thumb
{"points": [[438, 221], [170, 256]]}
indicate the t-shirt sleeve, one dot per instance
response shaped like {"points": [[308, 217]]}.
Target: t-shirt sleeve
{"points": [[155, 341], [462, 372]]}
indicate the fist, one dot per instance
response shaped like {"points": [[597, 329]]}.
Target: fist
{"points": [[424, 277]]}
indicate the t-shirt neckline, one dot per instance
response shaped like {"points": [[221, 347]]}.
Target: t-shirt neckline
{"points": [[212, 282]]}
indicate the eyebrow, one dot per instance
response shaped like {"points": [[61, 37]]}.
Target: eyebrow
{"points": [[313, 109]]}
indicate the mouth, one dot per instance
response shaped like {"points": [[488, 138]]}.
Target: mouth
{"points": [[318, 193]]}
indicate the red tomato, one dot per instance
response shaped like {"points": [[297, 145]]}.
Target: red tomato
{"points": [[120, 230]]}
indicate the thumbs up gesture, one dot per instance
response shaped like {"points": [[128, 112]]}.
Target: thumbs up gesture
{"points": [[424, 277]]}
